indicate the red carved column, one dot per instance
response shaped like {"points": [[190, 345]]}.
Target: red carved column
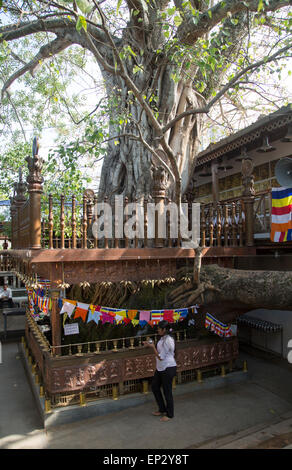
{"points": [[55, 322], [13, 213], [248, 199], [35, 189], [17, 202]]}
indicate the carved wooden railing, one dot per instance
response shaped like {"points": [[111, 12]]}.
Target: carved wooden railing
{"points": [[68, 224], [223, 225], [5, 262]]}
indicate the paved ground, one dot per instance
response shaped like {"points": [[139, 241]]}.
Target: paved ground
{"points": [[255, 413]]}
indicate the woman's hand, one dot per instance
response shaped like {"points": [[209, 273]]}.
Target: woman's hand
{"points": [[149, 344]]}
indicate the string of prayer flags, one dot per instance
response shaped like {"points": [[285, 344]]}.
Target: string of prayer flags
{"points": [[104, 314], [216, 326], [37, 299]]}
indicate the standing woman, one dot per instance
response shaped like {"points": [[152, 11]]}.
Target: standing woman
{"points": [[165, 371]]}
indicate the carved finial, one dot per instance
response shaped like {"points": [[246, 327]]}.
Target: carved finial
{"points": [[35, 164], [247, 177], [19, 188], [160, 178]]}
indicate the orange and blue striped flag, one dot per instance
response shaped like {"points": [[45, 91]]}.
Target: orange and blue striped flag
{"points": [[281, 223]]}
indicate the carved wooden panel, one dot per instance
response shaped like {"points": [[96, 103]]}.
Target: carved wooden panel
{"points": [[81, 375]]}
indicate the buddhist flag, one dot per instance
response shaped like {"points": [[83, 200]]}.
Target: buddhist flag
{"points": [[107, 318], [168, 315], [156, 316], [68, 307], [81, 311], [144, 316], [281, 224], [93, 314], [132, 314]]}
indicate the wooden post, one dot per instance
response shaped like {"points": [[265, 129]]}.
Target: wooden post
{"points": [[51, 223], [106, 223], [17, 202], [117, 209], [126, 220], [94, 223], [35, 189], [145, 223], [248, 199], [55, 322], [234, 225], [169, 240], [211, 225], [13, 214], [219, 226], [136, 241], [226, 224], [62, 237], [73, 221], [203, 226], [84, 223]]}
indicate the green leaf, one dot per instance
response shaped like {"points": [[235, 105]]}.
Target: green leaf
{"points": [[260, 5], [171, 11], [136, 69], [118, 6], [81, 23], [177, 20]]}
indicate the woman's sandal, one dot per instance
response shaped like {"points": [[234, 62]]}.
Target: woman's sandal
{"points": [[157, 413], [165, 418]]}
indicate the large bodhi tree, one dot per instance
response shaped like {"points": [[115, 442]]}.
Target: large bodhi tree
{"points": [[167, 63]]}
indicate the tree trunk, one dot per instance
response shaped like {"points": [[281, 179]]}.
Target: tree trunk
{"points": [[245, 290], [127, 166]]}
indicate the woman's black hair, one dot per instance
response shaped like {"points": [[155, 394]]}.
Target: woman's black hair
{"points": [[165, 326]]}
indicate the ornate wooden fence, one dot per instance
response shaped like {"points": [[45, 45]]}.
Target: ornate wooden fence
{"points": [[41, 221]]}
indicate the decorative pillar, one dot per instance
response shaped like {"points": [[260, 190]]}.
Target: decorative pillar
{"points": [[17, 201], [248, 197], [35, 189], [13, 214], [89, 193], [55, 321], [160, 178]]}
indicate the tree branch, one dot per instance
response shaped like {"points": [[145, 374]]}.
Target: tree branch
{"points": [[193, 28], [223, 90], [45, 52]]}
